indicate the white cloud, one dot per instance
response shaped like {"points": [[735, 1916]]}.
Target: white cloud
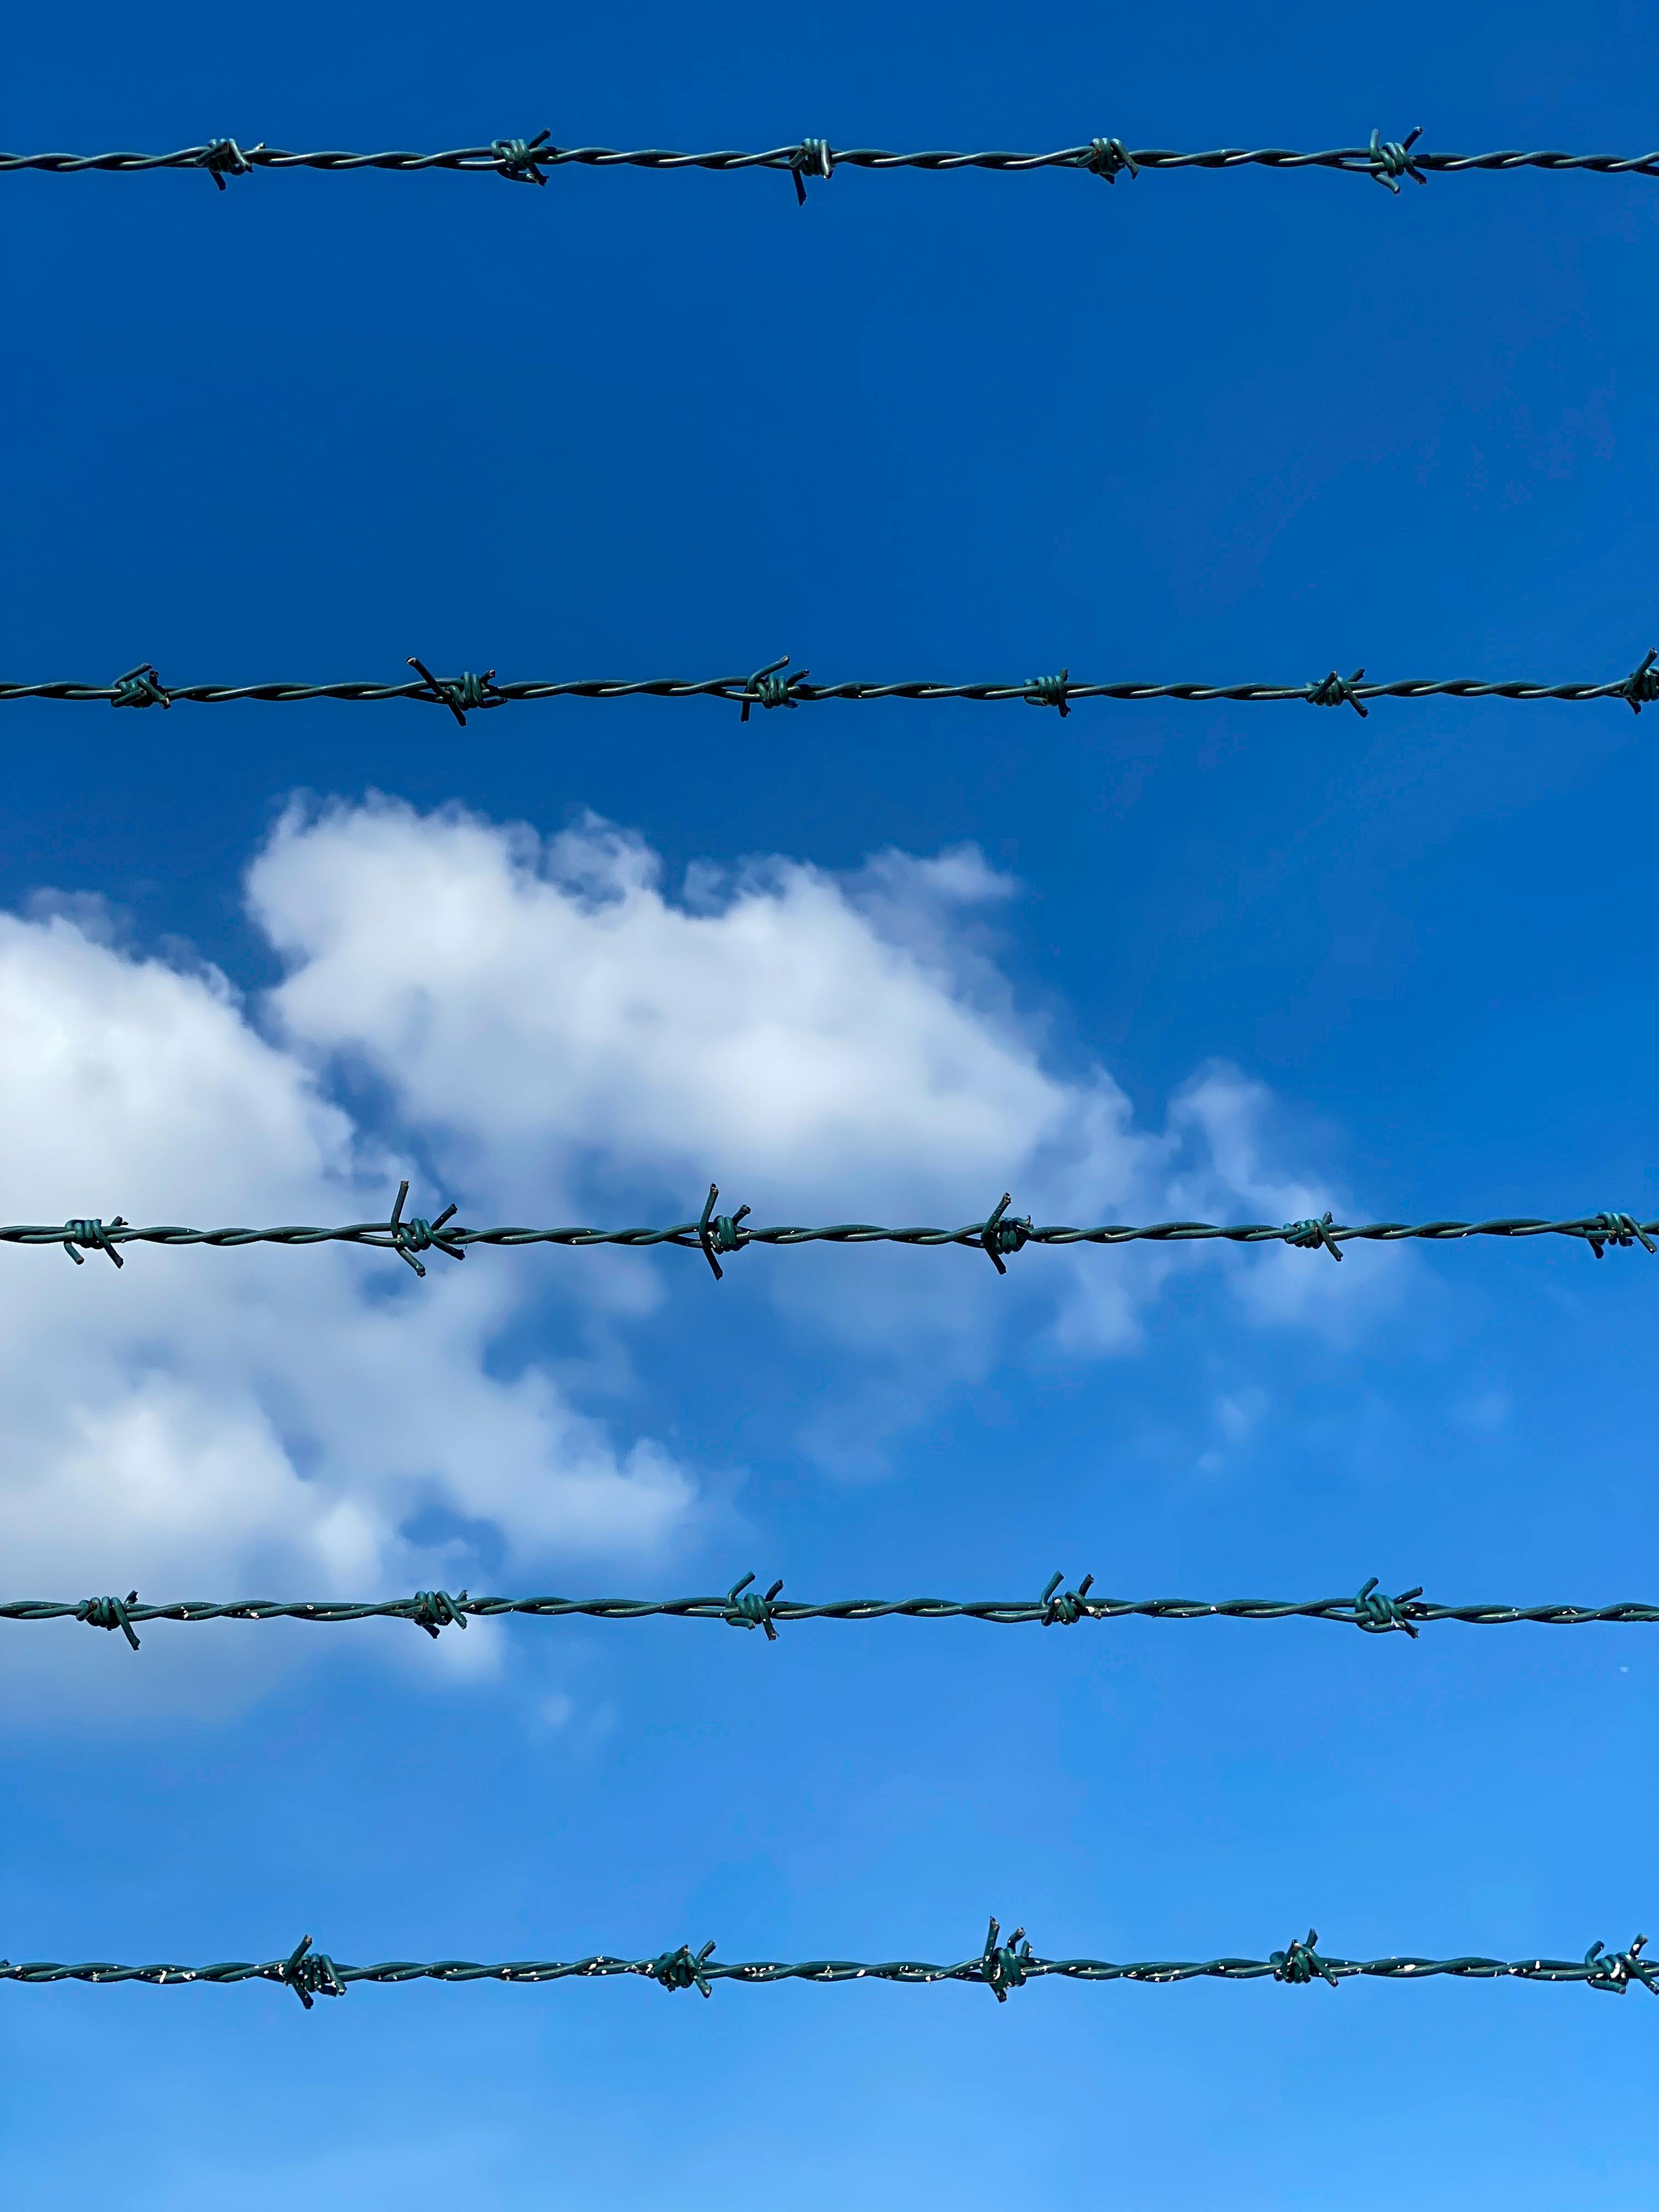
{"points": [[557, 1017], [1223, 1122], [547, 1029], [198, 1414]]}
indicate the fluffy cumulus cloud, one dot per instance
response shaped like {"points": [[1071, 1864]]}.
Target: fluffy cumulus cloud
{"points": [[550, 1012], [198, 1412], [561, 1032], [544, 1027]]}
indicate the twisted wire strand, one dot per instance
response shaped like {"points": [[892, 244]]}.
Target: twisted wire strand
{"points": [[768, 687], [1002, 1966], [1000, 1236], [1370, 1610], [524, 160]]}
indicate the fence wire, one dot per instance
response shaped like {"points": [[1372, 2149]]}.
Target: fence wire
{"points": [[775, 685], [527, 160], [1371, 1609], [1001, 1966], [1000, 1236]]}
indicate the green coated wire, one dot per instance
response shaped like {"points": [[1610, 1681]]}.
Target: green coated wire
{"points": [[769, 686], [526, 160], [1001, 1966], [1370, 1610], [715, 1236]]}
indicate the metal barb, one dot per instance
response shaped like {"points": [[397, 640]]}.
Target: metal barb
{"points": [[1378, 1614], [109, 1612], [1108, 158], [1301, 1962], [140, 686], [766, 688], [515, 159], [996, 1236], [680, 1970], [436, 1609], [1069, 1607], [1314, 1236], [91, 1235], [1050, 691], [811, 158], [1620, 1229], [223, 157], [753, 1611], [462, 695], [1004, 1965], [1641, 686], [1392, 159], [310, 1974], [1616, 1970], [1335, 690], [419, 1235], [720, 1232]]}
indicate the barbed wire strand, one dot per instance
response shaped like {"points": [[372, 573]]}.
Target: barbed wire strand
{"points": [[527, 160], [768, 687], [999, 1236], [1370, 1610], [1001, 1966]]}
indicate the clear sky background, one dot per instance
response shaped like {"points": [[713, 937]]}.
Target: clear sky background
{"points": [[877, 962]]}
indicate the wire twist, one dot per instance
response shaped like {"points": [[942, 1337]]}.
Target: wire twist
{"points": [[516, 159], [1335, 690], [1393, 160], [1301, 1962]]}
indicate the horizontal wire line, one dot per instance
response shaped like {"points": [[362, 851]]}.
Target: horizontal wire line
{"points": [[523, 160], [1370, 1610], [999, 1236], [768, 686], [1003, 1966]]}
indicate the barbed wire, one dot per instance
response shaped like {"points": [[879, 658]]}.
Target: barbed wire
{"points": [[527, 160], [769, 687], [1001, 1966], [1370, 1610], [717, 1235]]}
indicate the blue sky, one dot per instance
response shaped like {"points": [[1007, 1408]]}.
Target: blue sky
{"points": [[879, 961]]}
